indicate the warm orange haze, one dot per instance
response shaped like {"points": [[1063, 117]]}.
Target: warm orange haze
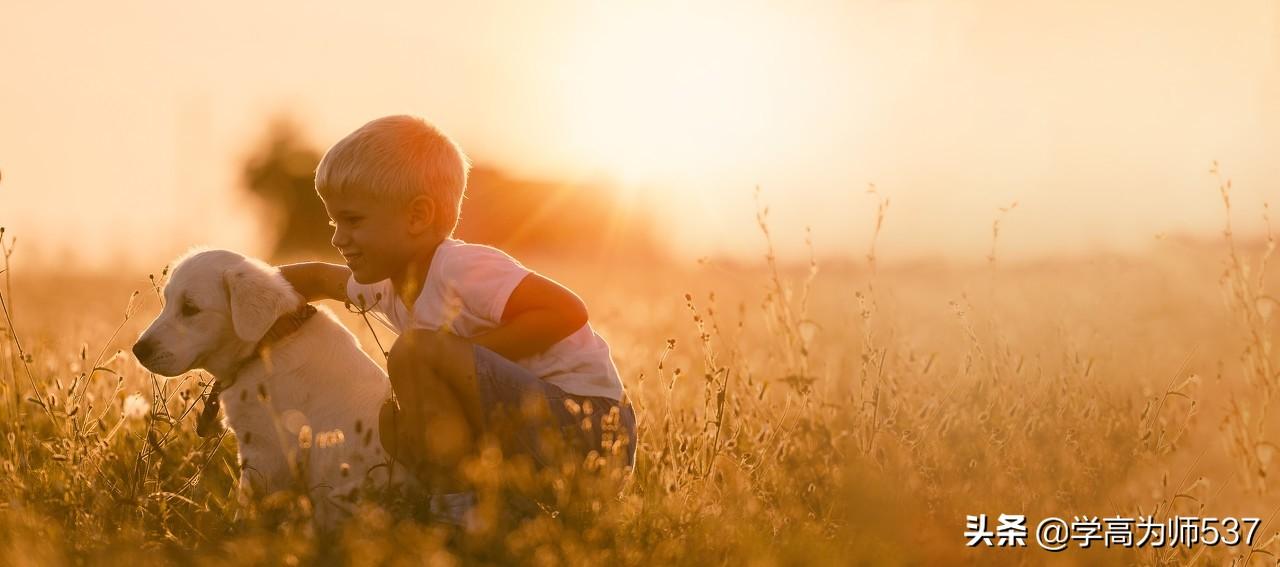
{"points": [[872, 273], [1098, 118]]}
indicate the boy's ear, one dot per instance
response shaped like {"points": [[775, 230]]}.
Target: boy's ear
{"points": [[258, 297], [422, 215]]}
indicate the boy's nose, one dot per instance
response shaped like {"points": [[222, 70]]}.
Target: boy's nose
{"points": [[339, 239]]}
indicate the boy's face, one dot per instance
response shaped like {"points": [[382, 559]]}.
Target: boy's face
{"points": [[372, 236]]}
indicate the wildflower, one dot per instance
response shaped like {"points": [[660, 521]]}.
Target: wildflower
{"points": [[135, 407], [326, 439]]}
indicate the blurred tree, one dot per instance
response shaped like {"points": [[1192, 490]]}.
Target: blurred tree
{"points": [[524, 217], [281, 172]]}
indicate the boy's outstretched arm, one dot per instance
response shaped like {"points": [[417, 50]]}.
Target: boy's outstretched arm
{"points": [[539, 313], [317, 280]]}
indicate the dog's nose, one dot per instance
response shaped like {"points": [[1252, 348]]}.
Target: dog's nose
{"points": [[142, 350]]}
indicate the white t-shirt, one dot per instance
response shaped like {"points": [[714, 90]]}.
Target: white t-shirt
{"points": [[466, 289]]}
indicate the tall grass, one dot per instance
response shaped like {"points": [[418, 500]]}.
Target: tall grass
{"points": [[788, 416]]}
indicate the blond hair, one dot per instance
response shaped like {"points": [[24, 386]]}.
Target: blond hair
{"points": [[398, 158]]}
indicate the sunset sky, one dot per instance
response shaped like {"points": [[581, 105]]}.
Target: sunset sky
{"points": [[123, 124]]}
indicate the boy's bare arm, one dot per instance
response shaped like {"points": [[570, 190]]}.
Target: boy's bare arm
{"points": [[318, 280], [539, 313]]}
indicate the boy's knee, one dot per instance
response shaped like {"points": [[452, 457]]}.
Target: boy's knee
{"points": [[412, 353], [418, 352]]}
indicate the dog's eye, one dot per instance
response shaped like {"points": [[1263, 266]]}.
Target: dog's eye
{"points": [[189, 309]]}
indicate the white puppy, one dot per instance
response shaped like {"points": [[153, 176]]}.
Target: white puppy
{"points": [[301, 396]]}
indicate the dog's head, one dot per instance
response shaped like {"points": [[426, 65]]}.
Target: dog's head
{"points": [[218, 304]]}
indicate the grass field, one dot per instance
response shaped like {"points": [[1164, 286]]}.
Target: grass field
{"points": [[790, 413]]}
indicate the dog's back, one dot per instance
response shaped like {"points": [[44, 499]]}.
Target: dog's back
{"points": [[306, 415]]}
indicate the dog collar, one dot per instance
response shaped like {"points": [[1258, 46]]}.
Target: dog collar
{"points": [[208, 425]]}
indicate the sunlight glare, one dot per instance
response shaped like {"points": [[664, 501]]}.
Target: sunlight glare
{"points": [[656, 95]]}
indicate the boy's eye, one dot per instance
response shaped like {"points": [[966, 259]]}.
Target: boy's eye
{"points": [[189, 309]]}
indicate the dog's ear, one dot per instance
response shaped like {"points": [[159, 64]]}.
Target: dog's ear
{"points": [[258, 296]]}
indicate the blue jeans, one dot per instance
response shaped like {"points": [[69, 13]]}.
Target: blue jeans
{"points": [[585, 423]]}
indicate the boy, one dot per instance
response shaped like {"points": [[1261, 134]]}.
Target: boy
{"points": [[482, 339]]}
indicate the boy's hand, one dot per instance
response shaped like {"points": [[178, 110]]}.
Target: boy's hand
{"points": [[539, 313], [318, 280]]}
